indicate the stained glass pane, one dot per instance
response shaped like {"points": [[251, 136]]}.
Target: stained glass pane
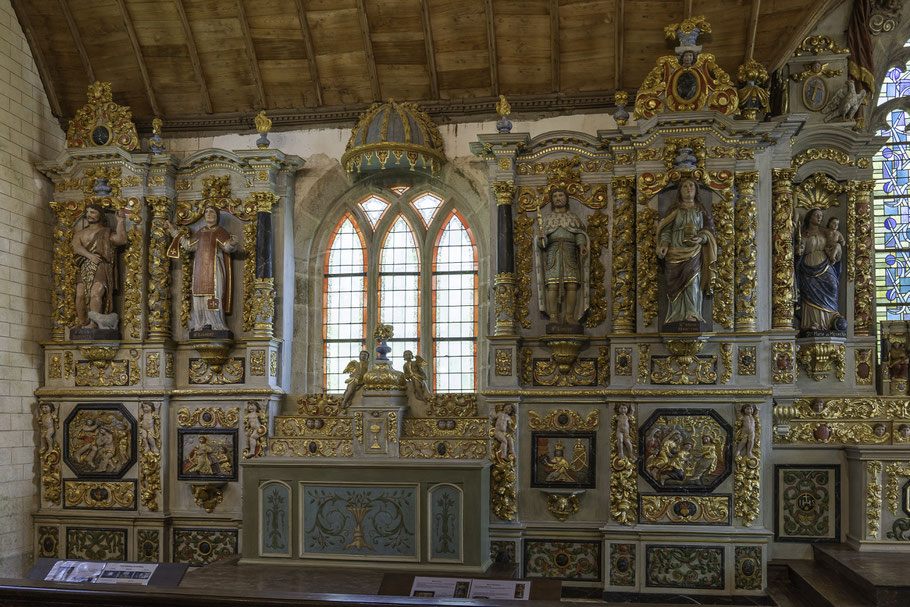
{"points": [[454, 309], [400, 189], [344, 310], [374, 208], [399, 288], [891, 169], [427, 205]]}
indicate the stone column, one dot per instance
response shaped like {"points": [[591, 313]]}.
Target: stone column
{"points": [[745, 272], [623, 287], [159, 294], [504, 282], [260, 301], [782, 249]]}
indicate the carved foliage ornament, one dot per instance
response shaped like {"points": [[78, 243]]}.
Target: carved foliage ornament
{"points": [[101, 122]]}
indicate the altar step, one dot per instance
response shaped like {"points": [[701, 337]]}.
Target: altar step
{"points": [[840, 576]]}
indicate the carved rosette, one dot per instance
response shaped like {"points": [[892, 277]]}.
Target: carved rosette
{"points": [[150, 459], [746, 224], [504, 293], [647, 263], [747, 476], [503, 479], [863, 288], [624, 477], [782, 249], [159, 289], [623, 287]]}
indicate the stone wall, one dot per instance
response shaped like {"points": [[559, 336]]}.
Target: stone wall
{"points": [[28, 133]]}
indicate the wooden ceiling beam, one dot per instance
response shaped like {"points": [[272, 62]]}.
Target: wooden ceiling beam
{"points": [[618, 45], [807, 22], [687, 9], [140, 60], [753, 28], [310, 50], [251, 51], [77, 40], [368, 49], [554, 44], [491, 48], [38, 55], [431, 52], [194, 56]]}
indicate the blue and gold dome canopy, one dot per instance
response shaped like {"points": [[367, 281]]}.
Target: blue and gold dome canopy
{"points": [[394, 135]]}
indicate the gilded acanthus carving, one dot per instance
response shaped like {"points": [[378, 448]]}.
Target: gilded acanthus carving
{"points": [[599, 237], [647, 263], [782, 365], [722, 182], [623, 275], [746, 273], [159, 289], [863, 244], [208, 417], [873, 499], [782, 249], [524, 223], [563, 419]]}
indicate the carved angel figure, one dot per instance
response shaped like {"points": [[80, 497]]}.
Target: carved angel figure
{"points": [[147, 439], [415, 375], [746, 436], [845, 103], [356, 370], [624, 447], [503, 430], [46, 424], [253, 428]]}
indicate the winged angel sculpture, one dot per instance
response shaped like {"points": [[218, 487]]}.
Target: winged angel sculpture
{"points": [[416, 376]]}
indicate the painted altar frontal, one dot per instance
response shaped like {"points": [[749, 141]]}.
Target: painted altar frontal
{"points": [[679, 345]]}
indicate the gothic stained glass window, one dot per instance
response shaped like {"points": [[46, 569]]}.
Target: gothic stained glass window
{"points": [[427, 205], [399, 288], [344, 302], [454, 308], [374, 208], [892, 206]]}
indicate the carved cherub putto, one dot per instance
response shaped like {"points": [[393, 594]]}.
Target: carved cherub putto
{"points": [[253, 429], [47, 426], [356, 370], [147, 439], [624, 448], [415, 376], [746, 436]]}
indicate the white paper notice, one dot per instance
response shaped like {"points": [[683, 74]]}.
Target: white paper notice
{"points": [[127, 573], [500, 589], [60, 571], [85, 572], [441, 587]]}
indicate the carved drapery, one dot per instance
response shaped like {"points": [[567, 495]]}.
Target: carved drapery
{"points": [[863, 288], [782, 249], [623, 288], [746, 224], [159, 289]]}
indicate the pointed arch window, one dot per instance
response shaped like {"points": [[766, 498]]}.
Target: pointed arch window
{"points": [[399, 288], [891, 169], [454, 308], [403, 267], [344, 301]]}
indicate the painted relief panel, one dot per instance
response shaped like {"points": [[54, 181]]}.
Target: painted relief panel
{"points": [[563, 459], [684, 509], [808, 503], [198, 547], [445, 523], [207, 454], [100, 441], [685, 450], [569, 560], [694, 567], [275, 512], [96, 544], [112, 495], [348, 521], [622, 564], [747, 575]]}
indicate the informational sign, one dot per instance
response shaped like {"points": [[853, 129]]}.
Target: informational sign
{"points": [[101, 573], [446, 587]]}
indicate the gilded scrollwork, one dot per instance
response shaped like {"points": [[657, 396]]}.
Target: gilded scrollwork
{"points": [[449, 449], [132, 285], [523, 229], [673, 145], [647, 263], [503, 480], [599, 235], [603, 367], [311, 447], [863, 286], [231, 372], [623, 362], [320, 404], [873, 499], [713, 509], [208, 417], [852, 408], [452, 405], [54, 367], [819, 45], [563, 419], [832, 154], [726, 359], [722, 182], [623, 480], [64, 272], [818, 191], [747, 460], [746, 273], [836, 432], [149, 454], [49, 453], [159, 287], [782, 249], [819, 358], [424, 427], [107, 495], [644, 363], [895, 471], [623, 275], [745, 360], [251, 296], [582, 372], [257, 362], [782, 365], [503, 362]]}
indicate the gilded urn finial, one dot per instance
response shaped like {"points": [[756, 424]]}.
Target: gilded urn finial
{"points": [[263, 126]]}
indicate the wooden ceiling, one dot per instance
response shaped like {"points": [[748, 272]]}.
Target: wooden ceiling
{"points": [[212, 64]]}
